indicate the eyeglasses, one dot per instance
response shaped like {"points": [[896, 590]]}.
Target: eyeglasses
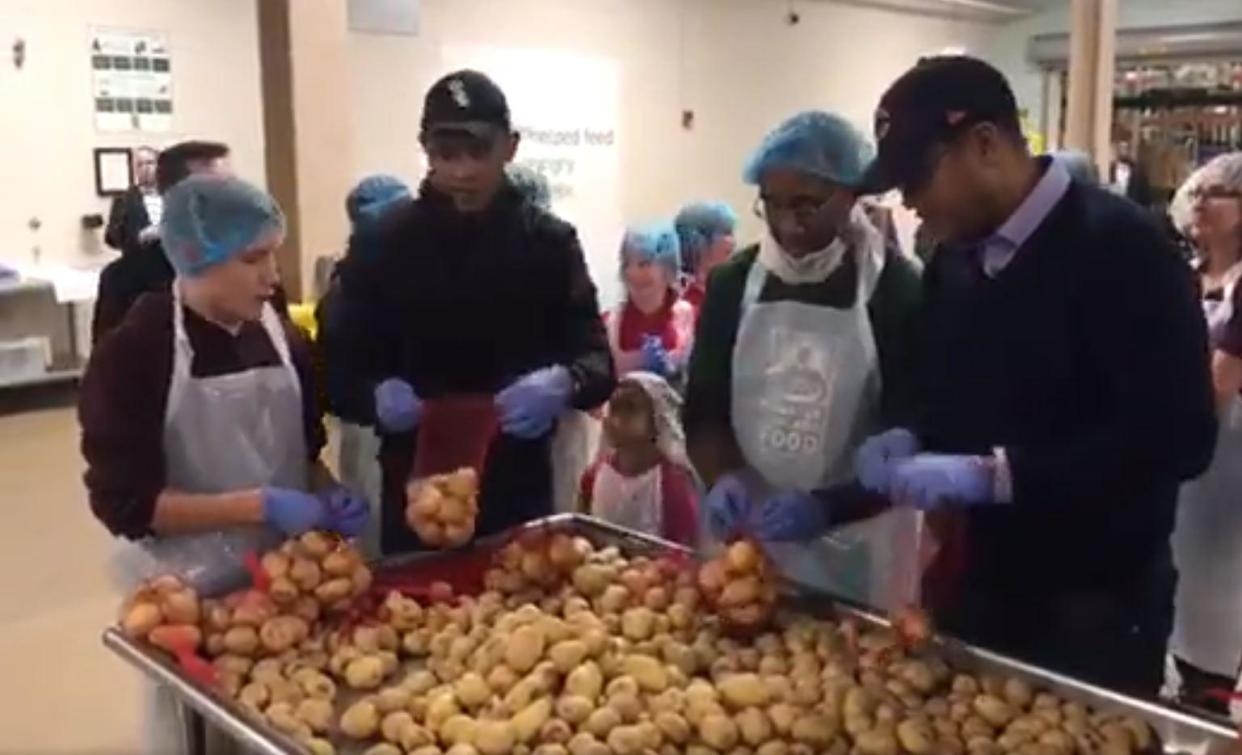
{"points": [[802, 208], [1200, 193]]}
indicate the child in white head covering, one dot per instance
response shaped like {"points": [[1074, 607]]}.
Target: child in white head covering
{"points": [[643, 479]]}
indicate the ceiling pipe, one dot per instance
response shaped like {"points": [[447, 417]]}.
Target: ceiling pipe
{"points": [[970, 10]]}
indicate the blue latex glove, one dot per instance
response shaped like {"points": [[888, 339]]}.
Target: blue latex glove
{"points": [[529, 406], [879, 454], [348, 512], [655, 357], [728, 506], [397, 408], [293, 511], [790, 516], [929, 481]]}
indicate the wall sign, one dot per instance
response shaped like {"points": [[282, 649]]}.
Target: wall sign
{"points": [[131, 80]]}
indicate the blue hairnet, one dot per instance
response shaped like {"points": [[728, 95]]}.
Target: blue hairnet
{"points": [[699, 224], [1079, 165], [209, 219], [653, 242], [367, 201], [532, 185], [816, 143]]}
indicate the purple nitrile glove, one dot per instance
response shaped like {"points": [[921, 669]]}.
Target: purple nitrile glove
{"points": [[879, 454], [728, 506], [789, 517], [348, 512], [397, 407], [930, 481], [529, 406], [293, 511]]}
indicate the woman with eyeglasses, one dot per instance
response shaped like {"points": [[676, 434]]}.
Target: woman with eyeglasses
{"points": [[1205, 649], [803, 344]]}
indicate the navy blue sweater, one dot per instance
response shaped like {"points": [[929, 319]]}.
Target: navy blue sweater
{"points": [[1087, 360]]}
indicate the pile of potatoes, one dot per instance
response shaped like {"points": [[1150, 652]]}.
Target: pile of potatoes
{"points": [[443, 508], [164, 612], [319, 567], [740, 585], [574, 650]]}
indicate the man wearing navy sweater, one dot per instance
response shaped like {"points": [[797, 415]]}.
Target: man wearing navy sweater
{"points": [[1064, 393]]}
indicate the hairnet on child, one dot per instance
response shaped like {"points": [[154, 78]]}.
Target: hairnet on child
{"points": [[209, 219], [532, 185], [698, 225], [1079, 165], [368, 200], [815, 143], [666, 412], [654, 242]]}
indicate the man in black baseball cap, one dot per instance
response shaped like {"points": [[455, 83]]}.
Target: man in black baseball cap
{"points": [[469, 290], [1064, 390]]}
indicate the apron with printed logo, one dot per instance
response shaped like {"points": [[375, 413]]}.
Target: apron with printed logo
{"points": [[806, 392]]}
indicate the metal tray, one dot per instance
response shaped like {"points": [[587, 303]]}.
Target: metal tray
{"points": [[1179, 732]]}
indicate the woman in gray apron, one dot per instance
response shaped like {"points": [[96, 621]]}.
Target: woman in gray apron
{"points": [[1205, 648], [810, 329], [237, 472]]}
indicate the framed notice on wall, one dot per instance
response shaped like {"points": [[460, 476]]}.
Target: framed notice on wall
{"points": [[131, 78]]}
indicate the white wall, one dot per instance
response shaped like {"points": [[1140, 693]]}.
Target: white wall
{"points": [[1007, 47], [736, 63], [47, 133]]}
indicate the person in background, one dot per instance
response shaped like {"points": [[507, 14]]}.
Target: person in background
{"points": [[653, 328], [1079, 166], [643, 480], [804, 345], [471, 290], [133, 220], [366, 205], [144, 267], [706, 231], [1205, 649], [200, 425], [1063, 385], [532, 185], [575, 444]]}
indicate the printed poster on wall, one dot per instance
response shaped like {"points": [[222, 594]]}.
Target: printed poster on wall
{"points": [[131, 80], [566, 108]]}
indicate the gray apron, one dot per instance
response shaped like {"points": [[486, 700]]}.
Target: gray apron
{"points": [[221, 434], [1207, 543], [224, 433], [806, 392]]}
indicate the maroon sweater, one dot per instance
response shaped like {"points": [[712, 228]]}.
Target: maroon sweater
{"points": [[125, 391]]}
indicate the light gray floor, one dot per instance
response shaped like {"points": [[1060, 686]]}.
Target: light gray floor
{"points": [[62, 692]]}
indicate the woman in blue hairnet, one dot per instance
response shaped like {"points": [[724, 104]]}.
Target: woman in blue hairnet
{"points": [[804, 345], [706, 232], [200, 423], [652, 330]]}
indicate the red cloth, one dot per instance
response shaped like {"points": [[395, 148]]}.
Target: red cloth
{"points": [[695, 293], [680, 515], [635, 325]]}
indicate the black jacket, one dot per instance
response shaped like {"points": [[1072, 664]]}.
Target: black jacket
{"points": [[127, 217], [1086, 359], [457, 303]]}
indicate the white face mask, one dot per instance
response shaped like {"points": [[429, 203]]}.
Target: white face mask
{"points": [[812, 267]]}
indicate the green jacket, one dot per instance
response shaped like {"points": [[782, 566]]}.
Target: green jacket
{"points": [[893, 308]]}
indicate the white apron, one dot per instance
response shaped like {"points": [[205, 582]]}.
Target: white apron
{"points": [[575, 445], [632, 502], [806, 392], [229, 432], [1207, 543]]}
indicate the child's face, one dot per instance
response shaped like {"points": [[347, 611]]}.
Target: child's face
{"points": [[630, 420]]}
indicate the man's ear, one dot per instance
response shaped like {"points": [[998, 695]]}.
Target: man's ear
{"points": [[511, 147]]}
